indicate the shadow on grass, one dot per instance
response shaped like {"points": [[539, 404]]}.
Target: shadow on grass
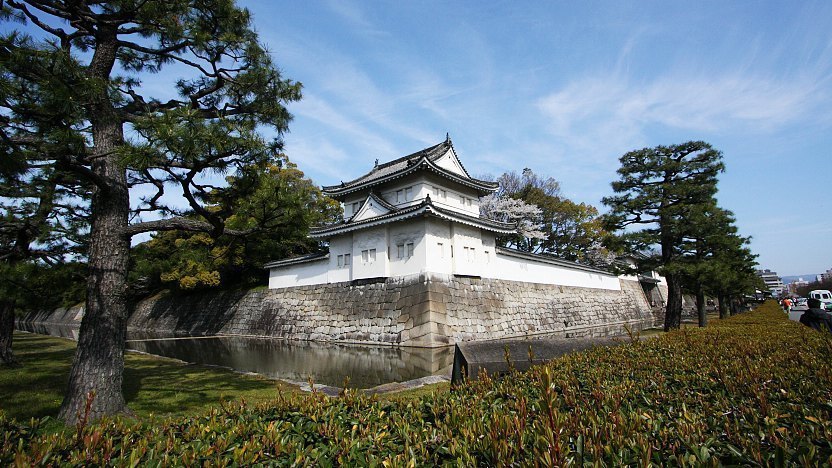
{"points": [[166, 387], [151, 385]]}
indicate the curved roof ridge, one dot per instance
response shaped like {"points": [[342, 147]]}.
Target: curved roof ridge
{"points": [[429, 152], [400, 167]]}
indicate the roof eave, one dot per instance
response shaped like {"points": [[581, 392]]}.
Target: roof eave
{"points": [[483, 187], [552, 260], [296, 261], [426, 208]]}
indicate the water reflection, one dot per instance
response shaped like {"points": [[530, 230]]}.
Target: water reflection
{"points": [[51, 329], [328, 364], [325, 363]]}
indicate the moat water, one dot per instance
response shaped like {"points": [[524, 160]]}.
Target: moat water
{"points": [[297, 361], [301, 361]]}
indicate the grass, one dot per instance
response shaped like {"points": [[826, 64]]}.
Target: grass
{"points": [[153, 386]]}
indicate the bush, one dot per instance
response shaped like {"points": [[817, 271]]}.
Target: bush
{"points": [[753, 389]]}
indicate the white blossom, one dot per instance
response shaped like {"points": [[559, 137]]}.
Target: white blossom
{"points": [[527, 217]]}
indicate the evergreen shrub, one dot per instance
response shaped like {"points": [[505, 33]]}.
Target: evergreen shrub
{"points": [[755, 389]]}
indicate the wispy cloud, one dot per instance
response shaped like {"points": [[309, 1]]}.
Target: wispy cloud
{"points": [[353, 15], [602, 113]]}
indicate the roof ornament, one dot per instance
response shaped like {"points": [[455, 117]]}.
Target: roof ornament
{"points": [[376, 163], [427, 199], [447, 137]]}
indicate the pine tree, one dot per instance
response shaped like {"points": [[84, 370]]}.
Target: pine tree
{"points": [[92, 57], [43, 209], [711, 238], [657, 189], [279, 199]]}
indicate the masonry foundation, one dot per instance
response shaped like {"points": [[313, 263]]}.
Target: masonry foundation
{"points": [[426, 310]]}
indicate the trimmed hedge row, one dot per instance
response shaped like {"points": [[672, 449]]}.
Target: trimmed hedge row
{"points": [[755, 389]]}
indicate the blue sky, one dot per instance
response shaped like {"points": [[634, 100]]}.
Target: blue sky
{"points": [[565, 88]]}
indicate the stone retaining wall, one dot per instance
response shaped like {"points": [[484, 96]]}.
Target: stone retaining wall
{"points": [[421, 310]]}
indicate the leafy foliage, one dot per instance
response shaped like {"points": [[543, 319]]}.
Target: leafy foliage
{"points": [[38, 286], [278, 198], [750, 390], [657, 190], [548, 223], [120, 137]]}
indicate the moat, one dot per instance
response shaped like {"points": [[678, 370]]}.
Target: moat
{"points": [[299, 361]]}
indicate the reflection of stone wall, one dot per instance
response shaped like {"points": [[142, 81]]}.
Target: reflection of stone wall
{"points": [[419, 310]]}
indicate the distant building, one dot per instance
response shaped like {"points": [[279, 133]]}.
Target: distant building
{"points": [[773, 282], [797, 284]]}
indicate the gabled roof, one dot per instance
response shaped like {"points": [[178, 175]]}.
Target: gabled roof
{"points": [[440, 158], [372, 207], [426, 208]]}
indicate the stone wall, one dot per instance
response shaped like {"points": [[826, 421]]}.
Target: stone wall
{"points": [[422, 310]]}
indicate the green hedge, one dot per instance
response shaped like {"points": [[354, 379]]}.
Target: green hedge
{"points": [[755, 389]]}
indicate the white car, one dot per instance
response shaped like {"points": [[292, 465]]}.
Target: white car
{"points": [[824, 296]]}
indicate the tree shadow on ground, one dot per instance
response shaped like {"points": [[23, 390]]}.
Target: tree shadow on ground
{"points": [[151, 385]]}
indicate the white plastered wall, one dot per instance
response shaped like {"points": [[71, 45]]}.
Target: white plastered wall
{"points": [[454, 195], [340, 245], [369, 239], [402, 234], [316, 272], [519, 269], [438, 246], [467, 250]]}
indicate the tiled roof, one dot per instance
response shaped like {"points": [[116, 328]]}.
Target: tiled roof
{"points": [[391, 169], [426, 208], [296, 260], [550, 259]]}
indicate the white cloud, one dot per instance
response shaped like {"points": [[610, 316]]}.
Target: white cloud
{"points": [[316, 108], [604, 114], [354, 15]]}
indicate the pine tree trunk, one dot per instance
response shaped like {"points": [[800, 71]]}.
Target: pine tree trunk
{"points": [[673, 312], [723, 306], [700, 307], [6, 334], [735, 307], [99, 359]]}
